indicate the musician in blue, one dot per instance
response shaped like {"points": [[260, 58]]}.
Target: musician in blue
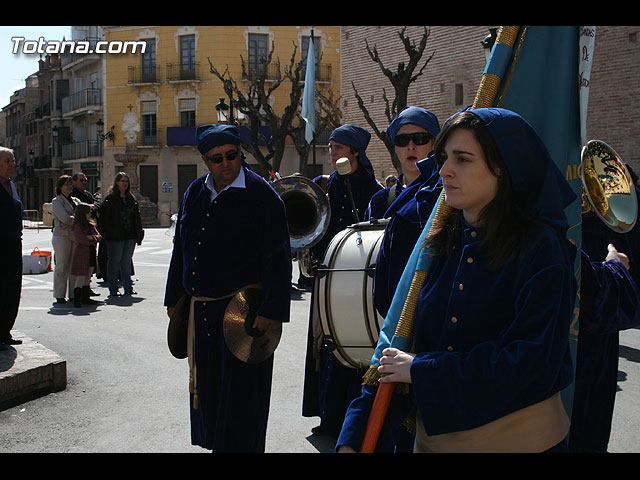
{"points": [[330, 386], [412, 132], [492, 320], [408, 203], [609, 301], [231, 232]]}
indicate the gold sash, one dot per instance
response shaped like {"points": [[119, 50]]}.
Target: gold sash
{"points": [[532, 429]]}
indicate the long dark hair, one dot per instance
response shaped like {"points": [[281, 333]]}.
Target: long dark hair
{"points": [[80, 216], [116, 179], [503, 227]]}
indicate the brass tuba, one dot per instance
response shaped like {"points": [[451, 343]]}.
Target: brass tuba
{"points": [[308, 212], [608, 191]]}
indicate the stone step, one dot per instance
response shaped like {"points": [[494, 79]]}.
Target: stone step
{"points": [[29, 370]]}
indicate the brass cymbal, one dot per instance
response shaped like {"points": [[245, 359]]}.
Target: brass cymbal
{"points": [[248, 344]]}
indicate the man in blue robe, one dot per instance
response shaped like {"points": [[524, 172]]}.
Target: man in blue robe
{"points": [[609, 301], [231, 232], [329, 386]]}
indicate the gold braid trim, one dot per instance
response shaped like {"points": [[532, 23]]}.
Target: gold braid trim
{"points": [[371, 376], [489, 85]]}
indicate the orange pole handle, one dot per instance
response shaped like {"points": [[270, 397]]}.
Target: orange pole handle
{"points": [[376, 419]]}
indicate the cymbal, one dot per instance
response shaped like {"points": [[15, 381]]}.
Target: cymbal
{"points": [[248, 344]]}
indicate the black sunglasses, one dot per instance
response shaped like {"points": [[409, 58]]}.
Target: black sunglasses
{"points": [[217, 158], [420, 138]]}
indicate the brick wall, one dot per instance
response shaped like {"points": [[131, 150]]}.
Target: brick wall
{"points": [[614, 91], [458, 59]]}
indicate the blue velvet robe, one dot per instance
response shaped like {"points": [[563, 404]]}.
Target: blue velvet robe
{"points": [[239, 239], [408, 215], [609, 301], [330, 386], [489, 343], [506, 349]]}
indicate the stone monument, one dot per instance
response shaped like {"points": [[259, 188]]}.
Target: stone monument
{"points": [[130, 159]]}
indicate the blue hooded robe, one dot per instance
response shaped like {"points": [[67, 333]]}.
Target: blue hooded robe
{"points": [[329, 386], [490, 343], [609, 301]]}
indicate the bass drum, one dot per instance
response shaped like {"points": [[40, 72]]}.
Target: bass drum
{"points": [[350, 323]]}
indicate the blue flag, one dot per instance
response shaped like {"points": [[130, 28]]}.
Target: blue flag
{"points": [[542, 84], [309, 96]]}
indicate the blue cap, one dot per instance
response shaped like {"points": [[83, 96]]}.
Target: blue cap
{"points": [[415, 116], [209, 136]]}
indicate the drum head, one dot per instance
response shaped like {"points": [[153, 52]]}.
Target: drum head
{"points": [[350, 322]]}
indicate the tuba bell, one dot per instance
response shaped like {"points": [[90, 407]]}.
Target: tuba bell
{"points": [[308, 212], [608, 189]]}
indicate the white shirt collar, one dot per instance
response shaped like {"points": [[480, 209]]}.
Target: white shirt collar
{"points": [[239, 182]]}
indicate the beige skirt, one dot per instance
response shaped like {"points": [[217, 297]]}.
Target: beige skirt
{"points": [[532, 429]]}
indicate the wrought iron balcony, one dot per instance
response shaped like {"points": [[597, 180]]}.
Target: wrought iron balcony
{"points": [[323, 72], [83, 149], [268, 71], [144, 74], [180, 71], [90, 97]]}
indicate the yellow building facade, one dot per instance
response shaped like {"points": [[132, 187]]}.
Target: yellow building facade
{"points": [[158, 97]]}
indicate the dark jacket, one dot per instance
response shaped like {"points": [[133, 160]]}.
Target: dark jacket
{"points": [[120, 219], [10, 218]]}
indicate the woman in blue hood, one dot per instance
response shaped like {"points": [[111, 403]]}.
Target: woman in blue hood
{"points": [[491, 347]]}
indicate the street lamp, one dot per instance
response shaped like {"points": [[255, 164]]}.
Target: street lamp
{"points": [[223, 111], [226, 112], [110, 134], [488, 41]]}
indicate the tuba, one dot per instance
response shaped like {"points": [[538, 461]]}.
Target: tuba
{"points": [[608, 189], [308, 212]]}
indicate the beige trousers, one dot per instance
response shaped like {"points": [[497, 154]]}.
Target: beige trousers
{"points": [[63, 249]]}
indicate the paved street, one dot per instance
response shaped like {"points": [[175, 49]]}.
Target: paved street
{"points": [[126, 393]]}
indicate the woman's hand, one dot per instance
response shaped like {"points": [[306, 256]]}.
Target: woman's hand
{"points": [[346, 449], [395, 366]]}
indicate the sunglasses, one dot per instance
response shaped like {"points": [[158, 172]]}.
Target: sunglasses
{"points": [[420, 138], [217, 158]]}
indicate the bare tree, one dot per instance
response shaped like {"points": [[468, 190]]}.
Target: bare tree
{"points": [[401, 79], [256, 102]]}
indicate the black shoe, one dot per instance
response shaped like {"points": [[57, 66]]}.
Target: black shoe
{"points": [[93, 294], [115, 294], [86, 297], [60, 301], [12, 341], [77, 297], [131, 292]]}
